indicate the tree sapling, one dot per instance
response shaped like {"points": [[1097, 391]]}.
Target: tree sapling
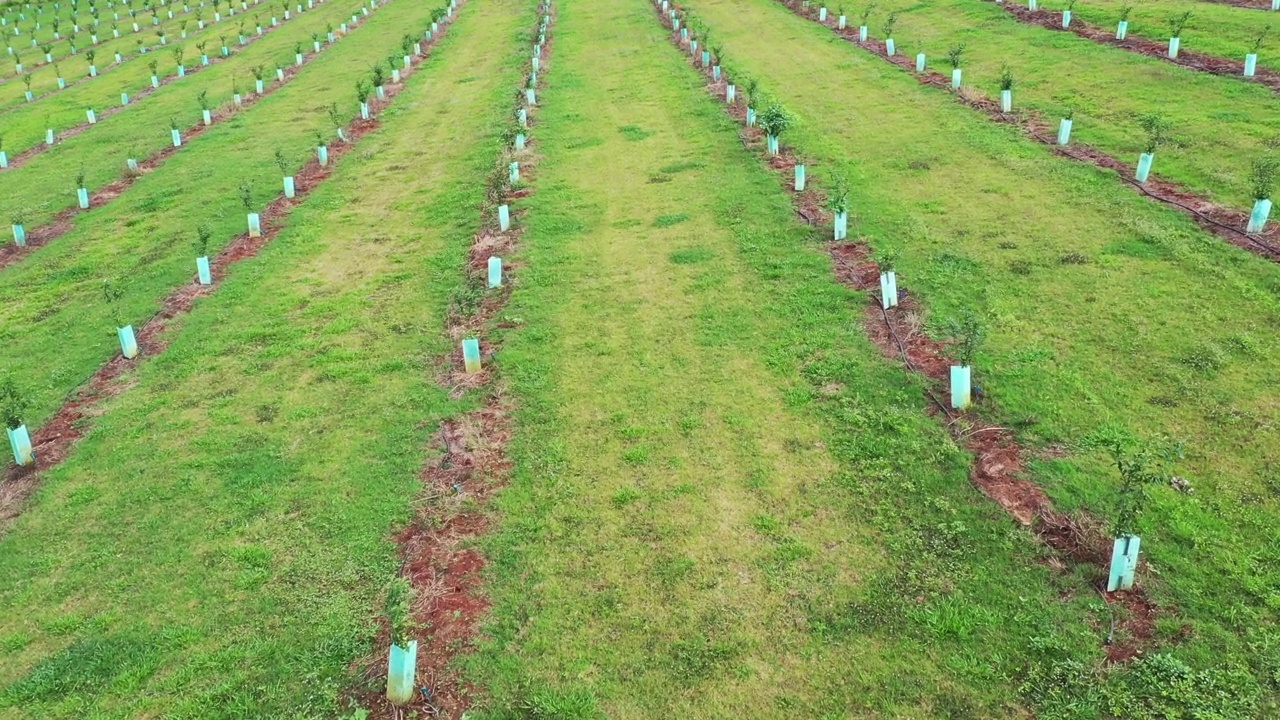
{"points": [[1176, 24], [1263, 181], [1157, 130], [954, 56]]}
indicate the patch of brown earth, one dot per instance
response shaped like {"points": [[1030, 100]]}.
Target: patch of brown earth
{"points": [[52, 442]]}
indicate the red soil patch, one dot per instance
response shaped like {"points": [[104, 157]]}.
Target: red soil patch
{"points": [[60, 223], [53, 441], [998, 464], [473, 464], [447, 574]]}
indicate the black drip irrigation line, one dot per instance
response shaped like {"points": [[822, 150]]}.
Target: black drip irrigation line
{"points": [[902, 348]]}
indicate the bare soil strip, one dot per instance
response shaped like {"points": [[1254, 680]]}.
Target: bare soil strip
{"points": [[439, 557]]}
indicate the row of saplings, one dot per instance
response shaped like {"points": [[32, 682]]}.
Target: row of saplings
{"points": [[161, 33], [1155, 127], [1141, 464], [259, 73], [14, 406], [18, 217]]}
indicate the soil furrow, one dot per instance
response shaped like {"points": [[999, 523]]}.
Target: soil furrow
{"points": [[439, 559]]}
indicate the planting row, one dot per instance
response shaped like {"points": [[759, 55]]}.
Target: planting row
{"points": [[318, 572], [458, 485], [1217, 127], [38, 189], [231, 173], [1245, 229], [722, 509], [39, 65], [1222, 31], [35, 128], [1039, 370]]}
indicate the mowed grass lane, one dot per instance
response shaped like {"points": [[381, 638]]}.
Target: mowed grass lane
{"points": [[216, 546], [46, 183], [723, 497], [1102, 309], [55, 326]]}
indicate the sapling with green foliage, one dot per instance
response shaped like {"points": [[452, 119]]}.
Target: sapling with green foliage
{"points": [[955, 55], [774, 121], [1157, 134], [322, 149], [1177, 23], [14, 404], [402, 657], [752, 89], [1064, 126], [969, 332], [863, 19], [890, 48], [82, 192], [335, 117], [1251, 59], [1263, 180], [887, 259], [1066, 13], [18, 218], [155, 77], [112, 293], [1006, 88], [379, 77], [362, 95], [838, 203], [203, 236], [1142, 465], [282, 161], [245, 191]]}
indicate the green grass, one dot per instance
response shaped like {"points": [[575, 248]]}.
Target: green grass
{"points": [[1219, 125], [56, 328], [216, 546], [1112, 341], [74, 67], [1215, 28], [46, 184], [725, 503]]}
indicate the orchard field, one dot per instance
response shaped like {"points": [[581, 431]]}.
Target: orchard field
{"points": [[577, 359]]}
